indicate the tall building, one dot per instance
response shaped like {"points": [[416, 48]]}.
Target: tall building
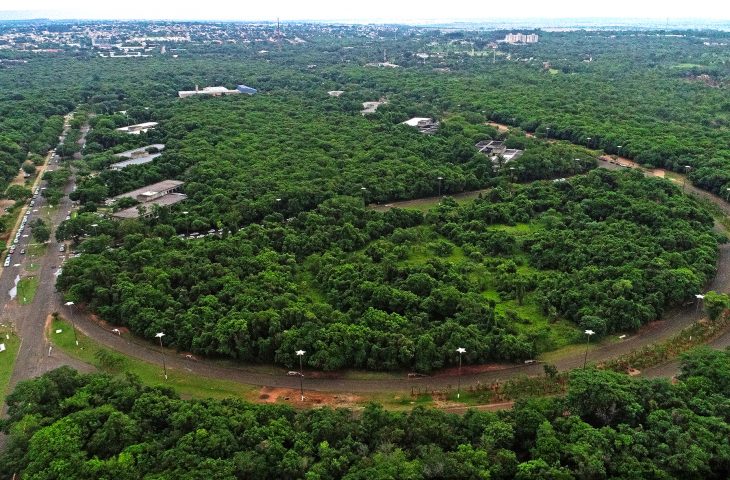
{"points": [[521, 38]]}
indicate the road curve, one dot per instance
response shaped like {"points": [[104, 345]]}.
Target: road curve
{"points": [[672, 322], [32, 361]]}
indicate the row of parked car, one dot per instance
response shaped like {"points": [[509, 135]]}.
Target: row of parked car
{"points": [[20, 231]]}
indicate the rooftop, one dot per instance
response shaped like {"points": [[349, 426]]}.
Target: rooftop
{"points": [[162, 186], [164, 201]]}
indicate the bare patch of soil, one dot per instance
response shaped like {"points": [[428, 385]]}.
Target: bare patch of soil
{"points": [[293, 397]]}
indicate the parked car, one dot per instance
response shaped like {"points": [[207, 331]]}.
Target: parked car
{"points": [[22, 252], [292, 373]]}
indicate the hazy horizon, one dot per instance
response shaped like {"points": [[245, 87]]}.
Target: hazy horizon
{"points": [[377, 11]]}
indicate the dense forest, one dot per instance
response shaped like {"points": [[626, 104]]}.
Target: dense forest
{"points": [[282, 177], [67, 425], [402, 289]]}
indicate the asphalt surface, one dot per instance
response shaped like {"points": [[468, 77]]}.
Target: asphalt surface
{"points": [[28, 321], [672, 322], [33, 359]]}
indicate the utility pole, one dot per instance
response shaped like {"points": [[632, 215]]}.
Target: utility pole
{"points": [[460, 350], [588, 340], [162, 351], [300, 354]]}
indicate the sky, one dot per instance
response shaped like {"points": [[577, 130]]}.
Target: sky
{"points": [[365, 10]]}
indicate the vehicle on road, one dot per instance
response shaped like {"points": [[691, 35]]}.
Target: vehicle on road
{"points": [[62, 248], [22, 252], [292, 373], [7, 261]]}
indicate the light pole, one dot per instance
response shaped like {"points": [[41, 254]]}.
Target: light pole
{"points": [[187, 225], [547, 132], [699, 298], [94, 225], [588, 142], [460, 350], [727, 196], [588, 340], [618, 147], [300, 354], [687, 168], [73, 325], [162, 352], [363, 190], [439, 179]]}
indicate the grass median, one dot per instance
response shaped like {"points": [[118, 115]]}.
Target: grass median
{"points": [[26, 290], [186, 384], [7, 360]]}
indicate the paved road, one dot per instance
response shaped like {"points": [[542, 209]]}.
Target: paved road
{"points": [[672, 322], [33, 361], [29, 320]]}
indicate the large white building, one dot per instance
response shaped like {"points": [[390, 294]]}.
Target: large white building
{"points": [[216, 91], [521, 38]]}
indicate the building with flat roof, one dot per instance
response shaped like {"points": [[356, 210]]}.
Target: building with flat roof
{"points": [[424, 124], [245, 89], [497, 151], [138, 156], [212, 91], [217, 91], [146, 208], [521, 38], [139, 128], [162, 194]]}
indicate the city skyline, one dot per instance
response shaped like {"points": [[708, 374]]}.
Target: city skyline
{"points": [[376, 11]]}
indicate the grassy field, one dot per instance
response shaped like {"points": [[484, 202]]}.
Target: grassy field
{"points": [[26, 290], [426, 204], [187, 385], [7, 360]]}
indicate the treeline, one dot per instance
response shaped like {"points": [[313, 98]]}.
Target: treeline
{"points": [[609, 251], [95, 426]]}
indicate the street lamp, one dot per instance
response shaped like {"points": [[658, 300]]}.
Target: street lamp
{"points": [[588, 340], [588, 142], [363, 190], [700, 297], [300, 354], [619, 149], [547, 132], [439, 179], [94, 225], [460, 350], [687, 168], [187, 225], [73, 325], [728, 194], [162, 352]]}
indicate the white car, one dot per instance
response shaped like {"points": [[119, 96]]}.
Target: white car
{"points": [[7, 261]]}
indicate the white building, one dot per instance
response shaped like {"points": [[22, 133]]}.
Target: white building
{"points": [[521, 38], [139, 128]]}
